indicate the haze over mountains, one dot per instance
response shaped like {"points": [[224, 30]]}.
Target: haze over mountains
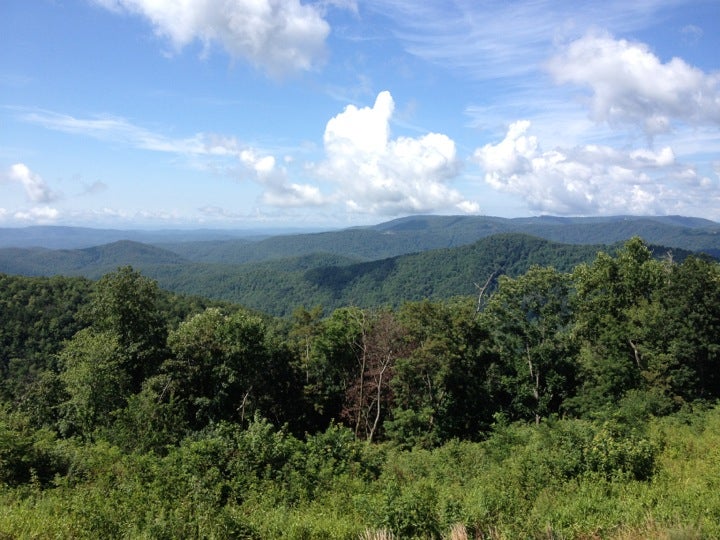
{"points": [[405, 259]]}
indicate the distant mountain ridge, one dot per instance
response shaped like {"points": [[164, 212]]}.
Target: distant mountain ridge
{"points": [[437, 232], [280, 285], [89, 262], [63, 237], [421, 233], [404, 259]]}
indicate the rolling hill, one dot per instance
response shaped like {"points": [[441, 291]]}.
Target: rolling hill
{"points": [[396, 237], [405, 259], [279, 286], [421, 233], [89, 262]]}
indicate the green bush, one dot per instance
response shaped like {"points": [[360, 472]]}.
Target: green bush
{"points": [[614, 455], [27, 455]]}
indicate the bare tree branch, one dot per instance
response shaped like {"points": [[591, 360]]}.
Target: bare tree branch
{"points": [[482, 290]]}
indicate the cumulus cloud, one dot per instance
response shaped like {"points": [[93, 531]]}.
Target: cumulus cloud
{"points": [[36, 189], [381, 175], [631, 85], [278, 36], [278, 191], [592, 179]]}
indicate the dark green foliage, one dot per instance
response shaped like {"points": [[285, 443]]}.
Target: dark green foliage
{"points": [[149, 421], [530, 319], [27, 455], [125, 304], [411, 260], [332, 363], [689, 328], [441, 386], [36, 316], [226, 367], [608, 293]]}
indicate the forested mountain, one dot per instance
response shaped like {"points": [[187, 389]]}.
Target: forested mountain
{"points": [[561, 404], [421, 233], [396, 237], [89, 262], [55, 237], [280, 285]]}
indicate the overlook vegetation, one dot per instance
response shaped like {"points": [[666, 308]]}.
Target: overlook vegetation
{"points": [[546, 402]]}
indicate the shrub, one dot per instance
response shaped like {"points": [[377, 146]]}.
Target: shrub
{"points": [[614, 455]]}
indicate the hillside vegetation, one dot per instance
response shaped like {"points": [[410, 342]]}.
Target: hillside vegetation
{"points": [[421, 233], [559, 404], [279, 285], [397, 237]]}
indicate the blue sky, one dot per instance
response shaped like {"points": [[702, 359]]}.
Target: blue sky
{"points": [[281, 113]]}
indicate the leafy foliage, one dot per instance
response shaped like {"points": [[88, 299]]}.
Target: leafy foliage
{"points": [[565, 404]]}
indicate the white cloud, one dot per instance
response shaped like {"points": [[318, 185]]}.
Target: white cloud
{"points": [[593, 179], [278, 36], [630, 85], [41, 214], [489, 40], [380, 175], [36, 189], [278, 191]]}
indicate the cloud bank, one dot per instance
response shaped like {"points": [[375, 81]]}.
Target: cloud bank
{"points": [[592, 179], [277, 36]]}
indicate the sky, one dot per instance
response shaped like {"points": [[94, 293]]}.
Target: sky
{"points": [[332, 113]]}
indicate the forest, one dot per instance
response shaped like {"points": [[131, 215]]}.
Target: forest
{"points": [[553, 402]]}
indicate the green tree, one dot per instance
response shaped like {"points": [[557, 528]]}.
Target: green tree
{"points": [[692, 299], [95, 382], [306, 326], [440, 386], [225, 367], [151, 421], [27, 454], [332, 365], [608, 294], [529, 317], [678, 345], [126, 304], [36, 316]]}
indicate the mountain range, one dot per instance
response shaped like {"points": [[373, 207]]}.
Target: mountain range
{"points": [[404, 259]]}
